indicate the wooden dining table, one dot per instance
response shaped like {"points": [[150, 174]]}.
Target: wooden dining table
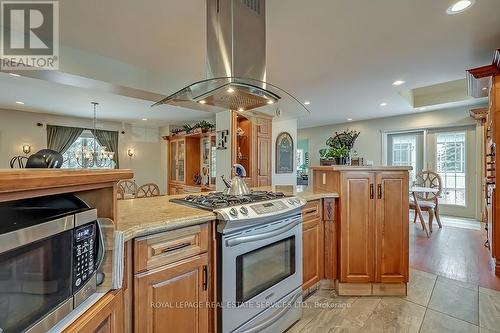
{"points": [[417, 189]]}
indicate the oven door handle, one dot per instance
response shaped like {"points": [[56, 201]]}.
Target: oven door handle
{"points": [[257, 237], [277, 315]]}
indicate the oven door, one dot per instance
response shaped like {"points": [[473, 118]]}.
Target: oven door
{"points": [[35, 276], [260, 266]]}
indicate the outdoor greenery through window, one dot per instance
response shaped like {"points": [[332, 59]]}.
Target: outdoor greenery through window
{"points": [[451, 166], [85, 141]]}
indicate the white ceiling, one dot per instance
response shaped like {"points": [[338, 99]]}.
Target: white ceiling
{"points": [[341, 55], [46, 97]]}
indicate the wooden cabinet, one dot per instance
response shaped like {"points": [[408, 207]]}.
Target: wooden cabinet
{"points": [[173, 298], [391, 228], [373, 223], [172, 281], [184, 164], [251, 142], [263, 161], [312, 244], [106, 316], [357, 224], [330, 238]]}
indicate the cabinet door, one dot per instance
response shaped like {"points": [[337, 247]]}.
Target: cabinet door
{"points": [[391, 227], [173, 160], [106, 316], [357, 204], [263, 161], [312, 240], [173, 298], [181, 171]]}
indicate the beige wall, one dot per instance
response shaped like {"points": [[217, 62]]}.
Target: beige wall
{"points": [[18, 128], [369, 143]]}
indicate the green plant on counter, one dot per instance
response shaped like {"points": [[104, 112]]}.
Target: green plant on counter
{"points": [[342, 151]]}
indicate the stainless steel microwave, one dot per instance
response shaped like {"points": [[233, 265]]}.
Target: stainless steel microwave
{"points": [[54, 254]]}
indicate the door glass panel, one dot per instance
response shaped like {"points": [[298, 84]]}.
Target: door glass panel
{"points": [[173, 160], [262, 268], [180, 160], [213, 156], [404, 149], [451, 166], [34, 279]]}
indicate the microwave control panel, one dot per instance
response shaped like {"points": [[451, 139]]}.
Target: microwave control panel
{"points": [[84, 254]]}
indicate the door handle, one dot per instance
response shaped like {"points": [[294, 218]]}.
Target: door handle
{"points": [[371, 191], [380, 191], [205, 277]]}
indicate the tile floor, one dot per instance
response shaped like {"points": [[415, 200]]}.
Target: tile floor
{"points": [[433, 304]]}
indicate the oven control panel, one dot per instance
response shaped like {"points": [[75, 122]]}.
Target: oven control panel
{"points": [[84, 251], [268, 207]]}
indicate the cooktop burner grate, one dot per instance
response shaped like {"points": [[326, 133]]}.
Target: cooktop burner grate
{"points": [[216, 200]]}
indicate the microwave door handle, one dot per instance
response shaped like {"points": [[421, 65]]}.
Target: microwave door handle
{"points": [[253, 238]]}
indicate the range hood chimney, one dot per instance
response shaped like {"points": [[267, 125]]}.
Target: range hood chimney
{"points": [[236, 65]]}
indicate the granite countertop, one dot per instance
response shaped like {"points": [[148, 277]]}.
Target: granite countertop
{"points": [[141, 217]]}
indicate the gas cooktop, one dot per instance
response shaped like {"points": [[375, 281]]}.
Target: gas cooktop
{"points": [[216, 200]]}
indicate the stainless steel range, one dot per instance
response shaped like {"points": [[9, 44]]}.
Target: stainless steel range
{"points": [[259, 259]]}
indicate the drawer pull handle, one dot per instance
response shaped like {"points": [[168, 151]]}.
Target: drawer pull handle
{"points": [[175, 247], [311, 211]]}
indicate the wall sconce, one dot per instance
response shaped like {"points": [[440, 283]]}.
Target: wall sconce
{"points": [[130, 152], [26, 149]]}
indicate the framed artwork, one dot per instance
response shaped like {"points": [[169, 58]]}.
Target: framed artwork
{"points": [[284, 153]]}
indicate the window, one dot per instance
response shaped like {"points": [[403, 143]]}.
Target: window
{"points": [[405, 149], [450, 158], [84, 141]]}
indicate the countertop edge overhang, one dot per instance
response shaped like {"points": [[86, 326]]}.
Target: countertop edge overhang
{"points": [[146, 216]]}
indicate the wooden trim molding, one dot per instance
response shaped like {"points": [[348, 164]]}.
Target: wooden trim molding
{"points": [[38, 179]]}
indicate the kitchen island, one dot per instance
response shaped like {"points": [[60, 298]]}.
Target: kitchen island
{"points": [[373, 217]]}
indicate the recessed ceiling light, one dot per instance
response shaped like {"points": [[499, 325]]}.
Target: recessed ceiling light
{"points": [[270, 101], [18, 102], [460, 6], [307, 103], [349, 119], [398, 82], [484, 88], [241, 109], [144, 119], [383, 104], [202, 101], [230, 90], [14, 74]]}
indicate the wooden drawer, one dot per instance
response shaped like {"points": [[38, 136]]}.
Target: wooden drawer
{"points": [[311, 210], [170, 246]]}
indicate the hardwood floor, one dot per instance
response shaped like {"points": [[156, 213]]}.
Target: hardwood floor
{"points": [[455, 253]]}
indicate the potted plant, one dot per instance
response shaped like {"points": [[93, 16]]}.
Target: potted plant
{"points": [[340, 146]]}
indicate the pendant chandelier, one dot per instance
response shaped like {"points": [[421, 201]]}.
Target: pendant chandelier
{"points": [[93, 157]]}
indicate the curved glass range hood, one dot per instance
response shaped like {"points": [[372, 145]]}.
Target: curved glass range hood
{"points": [[238, 94]]}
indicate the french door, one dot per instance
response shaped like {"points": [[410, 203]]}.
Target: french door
{"points": [[449, 152]]}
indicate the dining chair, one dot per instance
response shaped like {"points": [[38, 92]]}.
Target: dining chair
{"points": [[148, 190], [18, 162], [125, 188], [428, 201]]}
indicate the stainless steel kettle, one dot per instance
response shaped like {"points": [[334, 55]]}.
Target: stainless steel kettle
{"points": [[237, 186]]}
